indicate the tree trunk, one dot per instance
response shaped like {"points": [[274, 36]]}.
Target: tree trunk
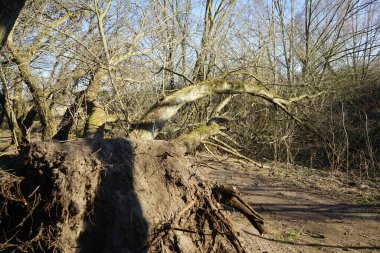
{"points": [[11, 118], [67, 121], [96, 116], [10, 9]]}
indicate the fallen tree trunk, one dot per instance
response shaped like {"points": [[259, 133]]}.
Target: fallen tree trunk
{"points": [[117, 195], [158, 115]]}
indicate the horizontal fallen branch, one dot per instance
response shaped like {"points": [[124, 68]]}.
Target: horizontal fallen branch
{"points": [[158, 115]]}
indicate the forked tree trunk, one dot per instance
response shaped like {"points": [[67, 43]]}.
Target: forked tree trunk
{"points": [[39, 97]]}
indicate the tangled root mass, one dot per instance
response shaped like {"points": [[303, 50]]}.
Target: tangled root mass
{"points": [[116, 195]]}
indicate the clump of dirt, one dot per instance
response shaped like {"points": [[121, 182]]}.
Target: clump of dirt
{"points": [[116, 195]]}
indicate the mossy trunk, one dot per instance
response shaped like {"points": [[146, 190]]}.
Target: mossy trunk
{"points": [[96, 120], [96, 115]]}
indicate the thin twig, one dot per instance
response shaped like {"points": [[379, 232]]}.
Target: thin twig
{"points": [[176, 73]]}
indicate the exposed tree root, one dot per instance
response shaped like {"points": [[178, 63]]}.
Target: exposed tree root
{"points": [[117, 196], [232, 234], [220, 194], [230, 196]]}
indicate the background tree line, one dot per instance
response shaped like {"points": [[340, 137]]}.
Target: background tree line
{"points": [[157, 69]]}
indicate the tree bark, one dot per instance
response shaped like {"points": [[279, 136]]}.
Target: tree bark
{"points": [[9, 11]]}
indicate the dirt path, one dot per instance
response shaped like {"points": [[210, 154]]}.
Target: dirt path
{"points": [[300, 219]]}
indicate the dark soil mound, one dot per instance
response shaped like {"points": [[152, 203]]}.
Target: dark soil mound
{"points": [[115, 195]]}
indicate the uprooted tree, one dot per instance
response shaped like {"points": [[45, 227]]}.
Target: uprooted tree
{"points": [[66, 196], [68, 189], [105, 63]]}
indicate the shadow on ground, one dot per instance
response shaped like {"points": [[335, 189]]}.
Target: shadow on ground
{"points": [[300, 219], [319, 245]]}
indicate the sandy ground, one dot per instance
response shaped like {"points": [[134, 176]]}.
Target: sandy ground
{"points": [[300, 215]]}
